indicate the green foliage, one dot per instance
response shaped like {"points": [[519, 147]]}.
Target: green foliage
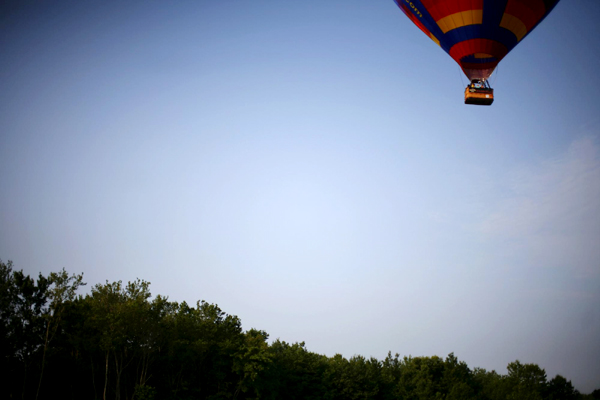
{"points": [[144, 393], [492, 386], [31, 312], [560, 388], [526, 381], [356, 378], [251, 359], [294, 372], [119, 342]]}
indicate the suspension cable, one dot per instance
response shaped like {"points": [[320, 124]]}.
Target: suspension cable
{"points": [[496, 73]]}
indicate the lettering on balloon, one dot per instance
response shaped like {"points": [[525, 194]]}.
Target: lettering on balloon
{"points": [[414, 8]]}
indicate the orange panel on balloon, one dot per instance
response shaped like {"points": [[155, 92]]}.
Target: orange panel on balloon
{"points": [[439, 9]]}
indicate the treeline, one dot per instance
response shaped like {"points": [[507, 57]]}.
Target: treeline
{"points": [[117, 342]]}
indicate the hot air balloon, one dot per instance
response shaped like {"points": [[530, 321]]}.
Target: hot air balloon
{"points": [[477, 34]]}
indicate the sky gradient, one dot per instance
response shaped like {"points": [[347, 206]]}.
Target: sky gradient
{"points": [[311, 168]]}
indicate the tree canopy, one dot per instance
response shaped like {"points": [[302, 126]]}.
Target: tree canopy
{"points": [[119, 342]]}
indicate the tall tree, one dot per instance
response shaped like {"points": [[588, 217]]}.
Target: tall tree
{"points": [[24, 304], [62, 289], [250, 361], [526, 381], [559, 388], [490, 384], [458, 379], [120, 315], [295, 373]]}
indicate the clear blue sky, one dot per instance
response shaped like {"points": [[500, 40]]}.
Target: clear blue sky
{"points": [[310, 167]]}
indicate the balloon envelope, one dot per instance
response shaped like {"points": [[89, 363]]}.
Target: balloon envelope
{"points": [[477, 33]]}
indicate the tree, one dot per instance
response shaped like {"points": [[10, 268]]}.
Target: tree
{"points": [[421, 378], [491, 385], [24, 304], [62, 289], [458, 379], [120, 316], [526, 381], [251, 360], [201, 344], [295, 373], [561, 389]]}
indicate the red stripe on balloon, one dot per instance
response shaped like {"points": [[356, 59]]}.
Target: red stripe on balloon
{"points": [[473, 46], [530, 11]]}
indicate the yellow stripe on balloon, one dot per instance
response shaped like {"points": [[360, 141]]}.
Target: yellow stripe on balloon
{"points": [[435, 39], [459, 19], [515, 25], [483, 55]]}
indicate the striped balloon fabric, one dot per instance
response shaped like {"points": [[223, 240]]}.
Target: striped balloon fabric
{"points": [[477, 33]]}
